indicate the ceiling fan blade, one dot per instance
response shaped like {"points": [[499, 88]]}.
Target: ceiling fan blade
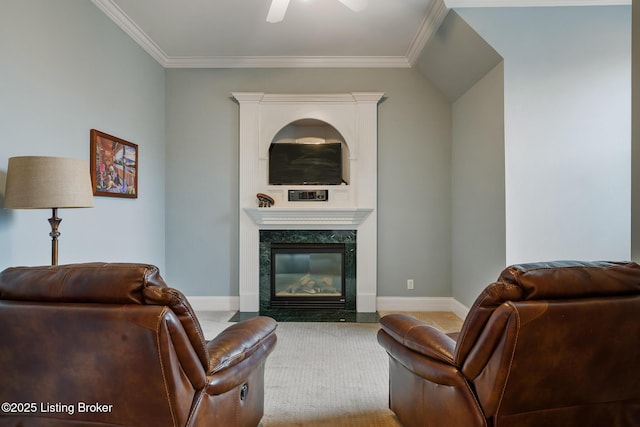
{"points": [[277, 10], [355, 5]]}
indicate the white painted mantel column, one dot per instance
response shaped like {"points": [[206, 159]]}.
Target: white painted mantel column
{"points": [[352, 206]]}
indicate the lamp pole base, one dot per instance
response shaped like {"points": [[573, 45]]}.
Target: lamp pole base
{"points": [[55, 222]]}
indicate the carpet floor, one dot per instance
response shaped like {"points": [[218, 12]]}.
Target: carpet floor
{"points": [[327, 374]]}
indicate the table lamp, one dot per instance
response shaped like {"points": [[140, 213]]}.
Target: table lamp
{"points": [[35, 182]]}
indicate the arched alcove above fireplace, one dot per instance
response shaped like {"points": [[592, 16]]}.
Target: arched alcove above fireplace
{"points": [[348, 119], [308, 152]]}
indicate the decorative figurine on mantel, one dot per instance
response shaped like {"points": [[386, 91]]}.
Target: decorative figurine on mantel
{"points": [[265, 201]]}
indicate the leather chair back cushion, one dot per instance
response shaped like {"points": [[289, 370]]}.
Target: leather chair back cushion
{"points": [[573, 279], [132, 357], [546, 281], [103, 283], [577, 373], [117, 283]]}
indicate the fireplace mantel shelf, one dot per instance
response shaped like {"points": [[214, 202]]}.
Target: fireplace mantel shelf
{"points": [[307, 216]]}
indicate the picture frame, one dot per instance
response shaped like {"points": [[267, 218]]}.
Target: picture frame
{"points": [[113, 166]]}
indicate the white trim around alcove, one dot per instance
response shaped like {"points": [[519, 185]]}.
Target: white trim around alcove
{"points": [[348, 207]]}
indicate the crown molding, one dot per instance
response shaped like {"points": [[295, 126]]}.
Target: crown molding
{"points": [[288, 62], [122, 20], [533, 3], [428, 28]]}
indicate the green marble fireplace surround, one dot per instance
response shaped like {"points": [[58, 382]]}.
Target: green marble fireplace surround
{"points": [[307, 237]]}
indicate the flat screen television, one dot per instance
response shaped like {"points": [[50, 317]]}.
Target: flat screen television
{"points": [[305, 164]]}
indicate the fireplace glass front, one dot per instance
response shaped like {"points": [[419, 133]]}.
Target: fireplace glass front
{"points": [[308, 275]]}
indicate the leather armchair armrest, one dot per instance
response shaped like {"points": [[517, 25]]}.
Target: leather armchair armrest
{"points": [[238, 342], [420, 337], [239, 351]]}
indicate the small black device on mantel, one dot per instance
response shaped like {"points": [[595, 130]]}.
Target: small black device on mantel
{"points": [[308, 195]]}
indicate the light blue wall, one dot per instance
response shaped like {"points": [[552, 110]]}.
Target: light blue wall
{"points": [[635, 178], [478, 187], [202, 174], [567, 73], [65, 68]]}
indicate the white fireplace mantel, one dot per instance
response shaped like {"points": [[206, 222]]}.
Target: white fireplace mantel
{"points": [[350, 206], [291, 217]]}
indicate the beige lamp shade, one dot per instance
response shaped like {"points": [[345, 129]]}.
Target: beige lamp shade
{"points": [[35, 182]]}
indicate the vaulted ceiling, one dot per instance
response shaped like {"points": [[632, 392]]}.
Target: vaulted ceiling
{"points": [[314, 33], [318, 34], [235, 33]]}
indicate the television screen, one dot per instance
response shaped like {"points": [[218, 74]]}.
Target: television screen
{"points": [[305, 164]]}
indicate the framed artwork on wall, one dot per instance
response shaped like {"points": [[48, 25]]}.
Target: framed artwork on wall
{"points": [[114, 166]]}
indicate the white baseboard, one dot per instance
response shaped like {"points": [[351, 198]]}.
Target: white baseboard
{"points": [[422, 304], [459, 309], [204, 303], [414, 304], [366, 303], [209, 303]]}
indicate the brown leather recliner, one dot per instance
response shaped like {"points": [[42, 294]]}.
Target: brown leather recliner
{"points": [[113, 345], [548, 344]]}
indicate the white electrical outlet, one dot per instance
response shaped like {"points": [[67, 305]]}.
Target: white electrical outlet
{"points": [[410, 284]]}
